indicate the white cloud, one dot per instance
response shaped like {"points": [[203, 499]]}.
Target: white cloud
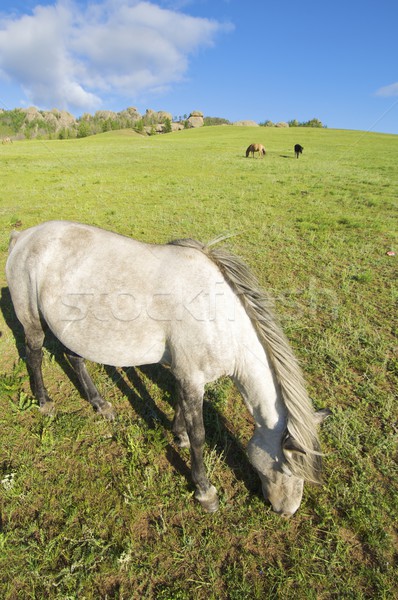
{"points": [[388, 90], [68, 56]]}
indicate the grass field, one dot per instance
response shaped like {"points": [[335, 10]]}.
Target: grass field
{"points": [[91, 509]]}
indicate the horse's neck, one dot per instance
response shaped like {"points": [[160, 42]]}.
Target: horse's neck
{"points": [[256, 381]]}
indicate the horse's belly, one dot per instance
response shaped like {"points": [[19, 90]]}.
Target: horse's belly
{"points": [[110, 350], [108, 335]]}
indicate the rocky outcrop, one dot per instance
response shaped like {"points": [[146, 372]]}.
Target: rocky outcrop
{"points": [[130, 114], [177, 126], [31, 114], [105, 114], [61, 124], [153, 117], [163, 116], [246, 124], [56, 119], [195, 119]]}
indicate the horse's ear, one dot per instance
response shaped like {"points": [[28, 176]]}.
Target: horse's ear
{"points": [[292, 445], [321, 415]]}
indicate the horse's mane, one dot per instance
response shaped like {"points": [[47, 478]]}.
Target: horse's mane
{"points": [[301, 422]]}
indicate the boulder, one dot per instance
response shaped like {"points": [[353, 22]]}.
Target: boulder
{"points": [[51, 119], [177, 126], [104, 115], [66, 119], [162, 116], [59, 119], [150, 116], [32, 113], [195, 119], [246, 124], [133, 112]]}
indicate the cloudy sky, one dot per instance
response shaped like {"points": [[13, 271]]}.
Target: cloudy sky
{"points": [[255, 59]]}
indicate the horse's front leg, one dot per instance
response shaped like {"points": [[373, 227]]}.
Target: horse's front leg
{"points": [[179, 427], [190, 401], [91, 392]]}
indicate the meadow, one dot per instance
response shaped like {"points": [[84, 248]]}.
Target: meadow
{"points": [[92, 509]]}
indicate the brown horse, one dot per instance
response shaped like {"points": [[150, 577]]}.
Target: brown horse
{"points": [[7, 140], [255, 148]]}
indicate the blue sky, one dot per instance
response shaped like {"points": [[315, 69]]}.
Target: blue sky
{"points": [[238, 59]]}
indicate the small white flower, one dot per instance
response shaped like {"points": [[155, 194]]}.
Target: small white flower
{"points": [[8, 481]]}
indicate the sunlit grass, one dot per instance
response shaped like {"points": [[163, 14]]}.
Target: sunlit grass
{"points": [[91, 509]]}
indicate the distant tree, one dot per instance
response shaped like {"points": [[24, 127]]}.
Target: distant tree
{"points": [[16, 118], [83, 129], [31, 128], [293, 123], [267, 123], [167, 126], [116, 124], [139, 126], [209, 121], [67, 133], [313, 123], [107, 125]]}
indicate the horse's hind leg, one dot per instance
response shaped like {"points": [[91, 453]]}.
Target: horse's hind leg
{"points": [[34, 358], [91, 392], [191, 403]]}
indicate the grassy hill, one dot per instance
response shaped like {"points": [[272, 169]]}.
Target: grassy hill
{"points": [[91, 509]]}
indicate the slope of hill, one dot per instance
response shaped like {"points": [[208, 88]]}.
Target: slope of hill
{"points": [[93, 509]]}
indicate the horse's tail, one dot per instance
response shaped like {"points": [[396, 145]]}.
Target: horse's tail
{"points": [[302, 424], [13, 240]]}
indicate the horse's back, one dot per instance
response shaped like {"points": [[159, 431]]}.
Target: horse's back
{"points": [[118, 301], [255, 148]]}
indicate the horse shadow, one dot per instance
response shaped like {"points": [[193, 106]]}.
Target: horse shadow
{"points": [[218, 434], [51, 343], [131, 386], [12, 322]]}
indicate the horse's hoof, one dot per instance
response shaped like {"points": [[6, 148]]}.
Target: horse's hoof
{"points": [[47, 409], [107, 411], [209, 501]]}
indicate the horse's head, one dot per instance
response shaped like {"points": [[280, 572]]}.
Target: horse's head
{"points": [[281, 488], [272, 456]]}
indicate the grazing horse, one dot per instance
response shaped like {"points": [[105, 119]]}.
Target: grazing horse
{"points": [[298, 150], [195, 308], [7, 140], [255, 148]]}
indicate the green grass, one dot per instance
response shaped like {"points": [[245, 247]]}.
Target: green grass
{"points": [[97, 510]]}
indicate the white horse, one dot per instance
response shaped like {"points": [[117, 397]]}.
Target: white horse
{"points": [[195, 308]]}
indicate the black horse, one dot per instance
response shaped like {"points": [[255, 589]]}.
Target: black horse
{"points": [[298, 150]]}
